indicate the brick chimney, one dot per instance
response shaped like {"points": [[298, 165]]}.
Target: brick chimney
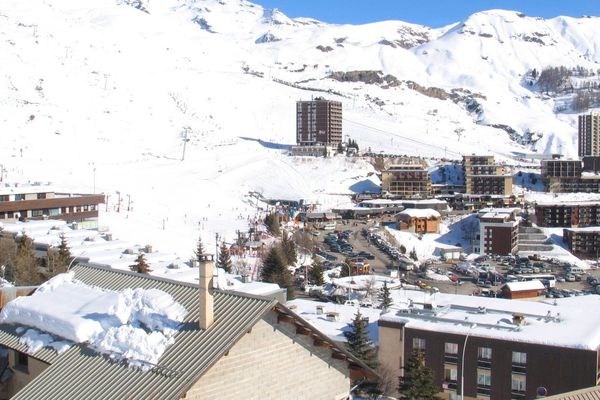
{"points": [[206, 308]]}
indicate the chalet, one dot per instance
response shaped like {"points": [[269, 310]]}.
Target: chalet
{"points": [[229, 346], [419, 220]]}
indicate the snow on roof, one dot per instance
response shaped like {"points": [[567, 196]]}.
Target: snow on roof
{"points": [[569, 322], [525, 285], [586, 229], [17, 188], [508, 210], [382, 201], [307, 309], [134, 324], [426, 201], [420, 213], [563, 198]]}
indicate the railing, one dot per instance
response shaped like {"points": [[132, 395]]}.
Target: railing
{"points": [[484, 363], [484, 390], [519, 368], [451, 358]]}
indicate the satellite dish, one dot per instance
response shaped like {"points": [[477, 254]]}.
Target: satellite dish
{"points": [[541, 391]]}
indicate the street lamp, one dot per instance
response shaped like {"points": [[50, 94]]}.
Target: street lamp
{"points": [[462, 364]]}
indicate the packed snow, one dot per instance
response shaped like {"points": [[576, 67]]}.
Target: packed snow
{"points": [[135, 324], [180, 74]]}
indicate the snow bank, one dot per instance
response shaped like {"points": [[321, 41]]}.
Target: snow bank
{"points": [[134, 324]]}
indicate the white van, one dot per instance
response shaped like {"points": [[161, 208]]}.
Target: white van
{"points": [[576, 270]]}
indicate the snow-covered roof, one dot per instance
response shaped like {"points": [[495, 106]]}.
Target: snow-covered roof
{"points": [[563, 198], [420, 213], [569, 322], [96, 297], [586, 229], [17, 188], [525, 285]]}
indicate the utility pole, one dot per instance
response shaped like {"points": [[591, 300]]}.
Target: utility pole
{"points": [[128, 202], [216, 245], [119, 202]]}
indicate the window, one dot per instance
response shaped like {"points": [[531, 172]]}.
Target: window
{"points": [[484, 377], [450, 373], [37, 213], [41, 196], [418, 344], [451, 348], [484, 353], [21, 361], [519, 358], [518, 383], [19, 197], [54, 212], [3, 197]]}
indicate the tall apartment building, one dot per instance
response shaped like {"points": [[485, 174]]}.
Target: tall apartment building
{"points": [[570, 176], [406, 181], [504, 349], [567, 213], [499, 232], [318, 122], [40, 201], [589, 135], [583, 241], [484, 176]]}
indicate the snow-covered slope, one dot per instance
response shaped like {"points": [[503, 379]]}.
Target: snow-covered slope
{"points": [[108, 90]]}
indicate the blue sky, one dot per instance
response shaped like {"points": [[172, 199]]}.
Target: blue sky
{"points": [[434, 13]]}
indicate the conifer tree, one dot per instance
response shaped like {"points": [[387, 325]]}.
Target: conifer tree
{"points": [[386, 298], [417, 382], [25, 268], [315, 275], [274, 271], [63, 257], [272, 223], [140, 266], [358, 342], [8, 253], [224, 261], [402, 249], [273, 265], [413, 254], [199, 249], [288, 249]]}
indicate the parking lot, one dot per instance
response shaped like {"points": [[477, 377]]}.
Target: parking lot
{"points": [[354, 240]]}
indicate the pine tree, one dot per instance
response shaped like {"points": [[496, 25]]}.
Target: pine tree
{"points": [[386, 298], [199, 251], [288, 249], [224, 261], [274, 271], [413, 254], [272, 223], [402, 249], [315, 275], [140, 266], [8, 254], [358, 342], [25, 269], [417, 382], [273, 265], [63, 257]]}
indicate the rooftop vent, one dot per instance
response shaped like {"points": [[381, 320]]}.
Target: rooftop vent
{"points": [[246, 278], [481, 310], [518, 319]]}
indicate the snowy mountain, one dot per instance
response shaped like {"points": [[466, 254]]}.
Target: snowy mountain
{"points": [[109, 90]]}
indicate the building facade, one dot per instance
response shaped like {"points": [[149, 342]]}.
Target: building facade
{"points": [[406, 181], [583, 241], [567, 214], [419, 220], [484, 176], [495, 349], [39, 202], [589, 135], [498, 233], [318, 122], [571, 176]]}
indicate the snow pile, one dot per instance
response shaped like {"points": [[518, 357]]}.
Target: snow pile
{"points": [[135, 324]]}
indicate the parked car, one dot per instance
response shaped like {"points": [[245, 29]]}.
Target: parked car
{"points": [[570, 278]]}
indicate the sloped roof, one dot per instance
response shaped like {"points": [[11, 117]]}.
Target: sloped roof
{"points": [[534, 284], [81, 373], [592, 393]]}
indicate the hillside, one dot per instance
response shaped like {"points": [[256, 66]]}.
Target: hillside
{"points": [[107, 91]]}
